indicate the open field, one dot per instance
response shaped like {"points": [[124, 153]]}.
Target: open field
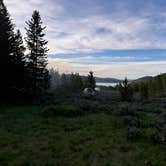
{"points": [[29, 139]]}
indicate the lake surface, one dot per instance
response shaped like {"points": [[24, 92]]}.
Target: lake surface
{"points": [[106, 84]]}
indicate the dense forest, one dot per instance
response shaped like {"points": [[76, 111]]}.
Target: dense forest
{"points": [[52, 119], [22, 75]]}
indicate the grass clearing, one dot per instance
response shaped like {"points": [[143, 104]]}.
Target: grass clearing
{"points": [[29, 139]]}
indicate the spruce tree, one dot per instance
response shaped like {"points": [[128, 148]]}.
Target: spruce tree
{"points": [[18, 65], [19, 56], [91, 81], [37, 60], [7, 44], [144, 90], [125, 90]]}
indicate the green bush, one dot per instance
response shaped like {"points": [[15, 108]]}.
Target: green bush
{"points": [[128, 110], [160, 136], [93, 106], [161, 121], [89, 106], [105, 108], [62, 110], [135, 122], [133, 133]]}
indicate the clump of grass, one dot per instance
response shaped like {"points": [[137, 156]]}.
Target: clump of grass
{"points": [[61, 110]]}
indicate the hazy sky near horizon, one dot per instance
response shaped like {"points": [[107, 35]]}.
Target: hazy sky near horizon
{"points": [[114, 38]]}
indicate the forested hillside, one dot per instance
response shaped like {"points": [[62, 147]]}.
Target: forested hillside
{"points": [[151, 87]]}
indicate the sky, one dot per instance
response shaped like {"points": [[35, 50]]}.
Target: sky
{"points": [[113, 38]]}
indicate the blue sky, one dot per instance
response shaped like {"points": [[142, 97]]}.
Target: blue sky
{"points": [[114, 38]]}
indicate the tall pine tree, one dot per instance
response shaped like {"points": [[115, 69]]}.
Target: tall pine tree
{"points": [[91, 81], [125, 90], [37, 58], [18, 66], [7, 44]]}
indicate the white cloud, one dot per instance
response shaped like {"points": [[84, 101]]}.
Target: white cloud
{"points": [[90, 34], [21, 10], [25, 7], [99, 33]]}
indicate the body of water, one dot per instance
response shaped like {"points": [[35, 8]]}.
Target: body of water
{"points": [[106, 84]]}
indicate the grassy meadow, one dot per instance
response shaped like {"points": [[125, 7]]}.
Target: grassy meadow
{"points": [[27, 138]]}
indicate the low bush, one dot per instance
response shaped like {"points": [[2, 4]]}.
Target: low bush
{"points": [[105, 108], [133, 133], [160, 135], [92, 106], [148, 120], [88, 106], [123, 110], [127, 110], [161, 121], [134, 122], [131, 121], [61, 110]]}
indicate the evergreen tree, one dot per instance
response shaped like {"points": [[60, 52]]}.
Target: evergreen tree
{"points": [[144, 91], [19, 57], [18, 75], [79, 82], [91, 81], [71, 83], [125, 90], [37, 60], [160, 84], [7, 44], [76, 82]]}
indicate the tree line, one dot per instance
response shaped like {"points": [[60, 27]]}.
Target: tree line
{"points": [[22, 69], [143, 89], [154, 87], [70, 83]]}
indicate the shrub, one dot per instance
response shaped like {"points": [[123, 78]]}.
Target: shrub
{"points": [[89, 106], [127, 120], [62, 110], [134, 122], [127, 110], [160, 135], [105, 108], [124, 110], [161, 122], [125, 90], [133, 133]]}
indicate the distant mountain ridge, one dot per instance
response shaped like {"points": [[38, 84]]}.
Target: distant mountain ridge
{"points": [[107, 80], [115, 80], [147, 78], [142, 79]]}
